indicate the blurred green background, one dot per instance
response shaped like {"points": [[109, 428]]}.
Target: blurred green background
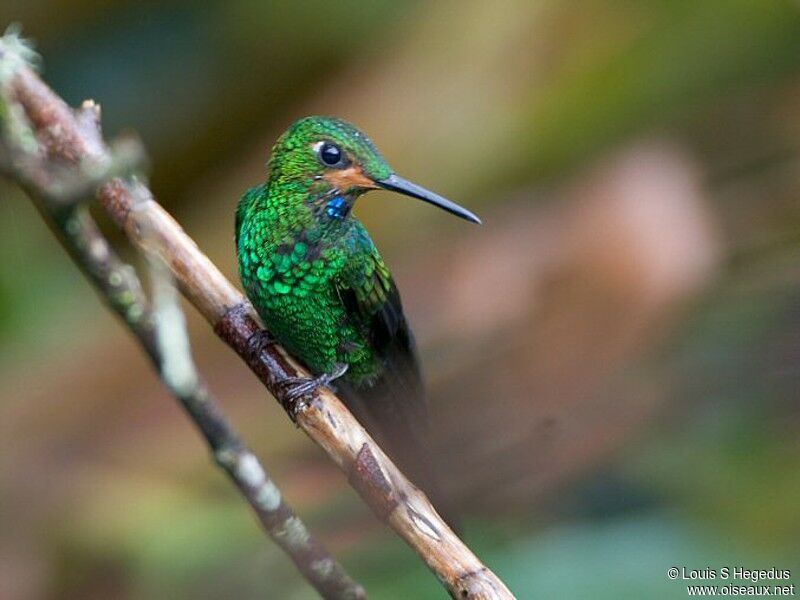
{"points": [[614, 357]]}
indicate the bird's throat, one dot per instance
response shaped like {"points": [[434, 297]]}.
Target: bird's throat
{"points": [[311, 209]]}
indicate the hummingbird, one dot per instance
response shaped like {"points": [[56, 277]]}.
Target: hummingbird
{"points": [[323, 291]]}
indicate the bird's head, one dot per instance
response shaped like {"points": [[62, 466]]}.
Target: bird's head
{"points": [[335, 163]]}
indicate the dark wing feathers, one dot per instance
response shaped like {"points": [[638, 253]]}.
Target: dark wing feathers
{"points": [[395, 396], [393, 406]]}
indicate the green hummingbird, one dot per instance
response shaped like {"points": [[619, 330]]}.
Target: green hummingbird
{"points": [[322, 289]]}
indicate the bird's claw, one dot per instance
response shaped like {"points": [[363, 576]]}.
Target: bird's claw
{"points": [[257, 342], [297, 388]]}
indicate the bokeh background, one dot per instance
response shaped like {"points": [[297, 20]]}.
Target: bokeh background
{"points": [[614, 357]]}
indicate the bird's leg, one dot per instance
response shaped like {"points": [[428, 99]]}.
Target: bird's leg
{"points": [[298, 387]]}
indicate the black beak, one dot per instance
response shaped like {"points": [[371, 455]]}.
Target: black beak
{"points": [[403, 186]]}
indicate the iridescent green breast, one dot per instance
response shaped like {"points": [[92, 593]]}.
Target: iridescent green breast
{"points": [[294, 285]]}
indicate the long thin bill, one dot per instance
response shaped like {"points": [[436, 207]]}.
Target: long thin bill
{"points": [[396, 183]]}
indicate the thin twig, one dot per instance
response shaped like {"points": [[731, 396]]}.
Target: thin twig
{"points": [[321, 415], [179, 374], [160, 330]]}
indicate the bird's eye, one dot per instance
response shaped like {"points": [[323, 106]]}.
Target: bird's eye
{"points": [[331, 155]]}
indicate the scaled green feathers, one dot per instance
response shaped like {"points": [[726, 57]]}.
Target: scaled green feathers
{"points": [[296, 260]]}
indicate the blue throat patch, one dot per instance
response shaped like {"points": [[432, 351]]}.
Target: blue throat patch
{"points": [[337, 208]]}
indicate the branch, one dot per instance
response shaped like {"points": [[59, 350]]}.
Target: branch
{"points": [[321, 415], [161, 332]]}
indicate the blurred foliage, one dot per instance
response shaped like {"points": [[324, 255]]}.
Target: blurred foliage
{"points": [[105, 490]]}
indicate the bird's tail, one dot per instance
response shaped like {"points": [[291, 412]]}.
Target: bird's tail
{"points": [[396, 416]]}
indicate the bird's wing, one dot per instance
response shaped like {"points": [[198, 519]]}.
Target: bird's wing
{"points": [[371, 300], [392, 406]]}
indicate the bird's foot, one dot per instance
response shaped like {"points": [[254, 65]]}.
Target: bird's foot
{"points": [[257, 342], [297, 388]]}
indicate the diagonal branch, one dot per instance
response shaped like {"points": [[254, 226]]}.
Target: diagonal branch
{"points": [[160, 330], [321, 415]]}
